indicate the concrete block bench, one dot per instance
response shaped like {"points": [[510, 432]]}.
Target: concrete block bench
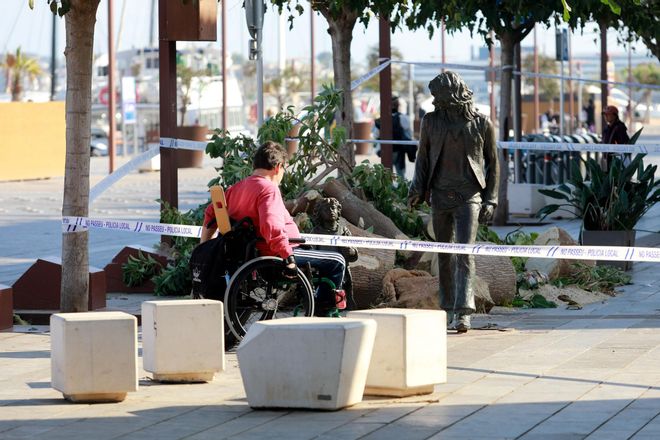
{"points": [[94, 355], [410, 351], [183, 340], [312, 363]]}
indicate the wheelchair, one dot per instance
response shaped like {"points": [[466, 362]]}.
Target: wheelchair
{"points": [[253, 288]]}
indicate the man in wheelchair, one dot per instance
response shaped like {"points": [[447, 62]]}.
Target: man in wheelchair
{"points": [[258, 198]]}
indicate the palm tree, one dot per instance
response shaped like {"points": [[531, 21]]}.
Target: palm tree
{"points": [[17, 67]]}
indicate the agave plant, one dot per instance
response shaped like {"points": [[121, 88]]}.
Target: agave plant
{"points": [[609, 201]]}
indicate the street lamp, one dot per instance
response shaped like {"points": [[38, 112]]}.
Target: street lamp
{"points": [[254, 15]]}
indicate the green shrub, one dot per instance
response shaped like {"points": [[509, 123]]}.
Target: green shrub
{"points": [[594, 278], [389, 194], [139, 269]]}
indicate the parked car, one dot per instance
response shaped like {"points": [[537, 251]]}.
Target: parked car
{"points": [[98, 142]]}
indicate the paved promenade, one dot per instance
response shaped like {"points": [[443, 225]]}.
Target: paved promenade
{"points": [[536, 374], [540, 374]]}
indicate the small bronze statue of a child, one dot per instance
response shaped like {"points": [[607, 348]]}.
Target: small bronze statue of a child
{"points": [[326, 216], [326, 221]]}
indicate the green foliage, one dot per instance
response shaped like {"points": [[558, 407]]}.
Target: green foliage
{"points": [[317, 154], [535, 301], [59, 7], [516, 18], [236, 153], [594, 278], [513, 238], [389, 193], [633, 19], [175, 279], [315, 159], [139, 269], [548, 87], [18, 66], [610, 201], [170, 215]]}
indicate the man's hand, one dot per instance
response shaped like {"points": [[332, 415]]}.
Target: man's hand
{"points": [[414, 201], [290, 270], [486, 213]]}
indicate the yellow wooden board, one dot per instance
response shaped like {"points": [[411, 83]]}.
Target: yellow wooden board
{"points": [[220, 209]]}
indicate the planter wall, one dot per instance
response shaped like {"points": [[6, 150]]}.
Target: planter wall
{"points": [[6, 307], [39, 287], [610, 238]]}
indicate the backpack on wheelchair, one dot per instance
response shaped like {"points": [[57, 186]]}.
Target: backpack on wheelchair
{"points": [[252, 288]]}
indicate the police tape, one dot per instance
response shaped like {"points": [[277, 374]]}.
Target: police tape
{"points": [[373, 72], [524, 73], [129, 166], [165, 142], [182, 144], [537, 146], [80, 224], [577, 147], [616, 253]]}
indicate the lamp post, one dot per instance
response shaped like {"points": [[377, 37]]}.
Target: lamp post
{"points": [[254, 14]]}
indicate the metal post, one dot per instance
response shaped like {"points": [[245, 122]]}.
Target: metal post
{"points": [[517, 113], [537, 107], [281, 53], [259, 12], [168, 102], [604, 87], [53, 59], [152, 24], [491, 64], [579, 91], [442, 43], [571, 96], [560, 41], [630, 115], [223, 19], [112, 127], [411, 93], [312, 61], [385, 53]]}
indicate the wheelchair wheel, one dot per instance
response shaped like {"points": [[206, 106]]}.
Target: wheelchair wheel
{"points": [[257, 291]]}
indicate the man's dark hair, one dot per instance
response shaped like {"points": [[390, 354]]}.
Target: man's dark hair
{"points": [[269, 155]]}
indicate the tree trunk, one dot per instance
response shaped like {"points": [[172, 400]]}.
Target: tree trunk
{"points": [[358, 211], [507, 42], [647, 114], [80, 21], [340, 29], [369, 270], [16, 88]]}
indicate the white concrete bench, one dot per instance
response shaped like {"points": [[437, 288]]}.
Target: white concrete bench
{"points": [[410, 351], [94, 355], [183, 340], [312, 363]]}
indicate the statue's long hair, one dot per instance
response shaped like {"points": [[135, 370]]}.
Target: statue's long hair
{"points": [[452, 97]]}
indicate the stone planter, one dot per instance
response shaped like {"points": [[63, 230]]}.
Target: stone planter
{"points": [[362, 130], [191, 158], [610, 238]]}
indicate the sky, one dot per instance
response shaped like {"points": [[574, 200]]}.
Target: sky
{"points": [[31, 29]]}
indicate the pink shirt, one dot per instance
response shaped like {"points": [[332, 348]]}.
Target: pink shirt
{"points": [[260, 200]]}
